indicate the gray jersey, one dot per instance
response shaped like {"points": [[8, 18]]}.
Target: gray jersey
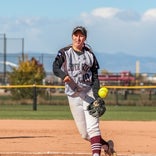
{"points": [[79, 66]]}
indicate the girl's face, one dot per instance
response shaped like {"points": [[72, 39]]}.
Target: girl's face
{"points": [[78, 40]]}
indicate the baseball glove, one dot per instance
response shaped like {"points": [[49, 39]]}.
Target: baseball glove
{"points": [[97, 108]]}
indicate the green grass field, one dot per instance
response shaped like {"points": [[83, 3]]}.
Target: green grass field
{"points": [[62, 112]]}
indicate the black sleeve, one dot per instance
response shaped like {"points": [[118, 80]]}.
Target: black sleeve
{"points": [[57, 64], [95, 80]]}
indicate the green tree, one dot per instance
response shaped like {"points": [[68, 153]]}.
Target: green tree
{"points": [[28, 72]]}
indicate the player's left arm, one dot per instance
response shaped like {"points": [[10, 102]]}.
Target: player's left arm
{"points": [[95, 80]]}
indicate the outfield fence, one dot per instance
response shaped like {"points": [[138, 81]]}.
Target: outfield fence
{"points": [[54, 95]]}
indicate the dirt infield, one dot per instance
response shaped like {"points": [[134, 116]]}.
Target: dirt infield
{"points": [[60, 137]]}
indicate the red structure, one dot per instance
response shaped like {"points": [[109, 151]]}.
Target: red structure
{"points": [[124, 78]]}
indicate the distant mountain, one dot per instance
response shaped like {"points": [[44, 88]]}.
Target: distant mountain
{"points": [[111, 62], [123, 62]]}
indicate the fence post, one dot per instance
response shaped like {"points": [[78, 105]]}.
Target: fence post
{"points": [[34, 98], [150, 94], [116, 97]]}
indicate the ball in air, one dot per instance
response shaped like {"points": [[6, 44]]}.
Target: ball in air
{"points": [[103, 92]]}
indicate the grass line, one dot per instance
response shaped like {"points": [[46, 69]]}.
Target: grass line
{"points": [[62, 112]]}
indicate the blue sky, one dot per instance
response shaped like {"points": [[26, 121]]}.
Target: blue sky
{"points": [[113, 26], [68, 8]]}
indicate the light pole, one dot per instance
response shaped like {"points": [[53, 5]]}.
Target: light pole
{"points": [[5, 49], [4, 58], [22, 49]]}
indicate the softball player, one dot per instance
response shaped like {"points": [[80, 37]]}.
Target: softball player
{"points": [[78, 67]]}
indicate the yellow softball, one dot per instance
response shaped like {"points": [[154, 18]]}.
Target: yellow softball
{"points": [[103, 92]]}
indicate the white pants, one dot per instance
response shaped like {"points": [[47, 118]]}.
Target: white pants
{"points": [[88, 126]]}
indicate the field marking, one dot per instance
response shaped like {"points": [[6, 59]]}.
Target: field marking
{"points": [[44, 153], [65, 153]]}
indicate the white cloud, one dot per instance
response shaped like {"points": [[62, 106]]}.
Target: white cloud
{"points": [[112, 14], [30, 21], [113, 30], [149, 15], [105, 12]]}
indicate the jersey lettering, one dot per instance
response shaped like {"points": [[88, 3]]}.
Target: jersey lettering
{"points": [[74, 67], [86, 77]]}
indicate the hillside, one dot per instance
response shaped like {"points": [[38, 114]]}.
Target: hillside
{"points": [[111, 62]]}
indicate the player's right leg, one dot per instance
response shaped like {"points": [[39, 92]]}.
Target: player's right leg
{"points": [[76, 107]]}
